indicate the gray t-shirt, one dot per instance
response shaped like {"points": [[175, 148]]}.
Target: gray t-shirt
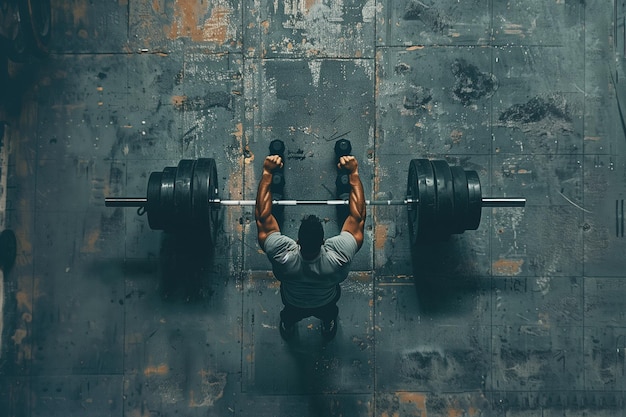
{"points": [[310, 283]]}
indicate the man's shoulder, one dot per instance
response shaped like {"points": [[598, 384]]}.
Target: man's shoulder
{"points": [[343, 237], [277, 240], [343, 242]]}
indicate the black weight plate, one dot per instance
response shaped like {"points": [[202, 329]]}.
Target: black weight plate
{"points": [[444, 203], [475, 198], [153, 207], [427, 200], [8, 249], [205, 216], [168, 178], [183, 192], [461, 199], [427, 196], [200, 197], [214, 210], [412, 192]]}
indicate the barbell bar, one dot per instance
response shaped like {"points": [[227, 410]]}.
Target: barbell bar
{"points": [[485, 202], [441, 200]]}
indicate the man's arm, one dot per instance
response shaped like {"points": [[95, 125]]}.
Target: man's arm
{"points": [[265, 222], [355, 222]]}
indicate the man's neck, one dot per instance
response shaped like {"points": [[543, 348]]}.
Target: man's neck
{"points": [[308, 256]]}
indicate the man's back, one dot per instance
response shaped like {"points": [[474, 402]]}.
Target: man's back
{"points": [[310, 283]]}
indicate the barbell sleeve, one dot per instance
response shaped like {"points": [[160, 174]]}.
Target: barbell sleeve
{"points": [[503, 202], [125, 201]]}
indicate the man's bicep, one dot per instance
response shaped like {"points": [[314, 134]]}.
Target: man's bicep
{"points": [[355, 228], [269, 226]]}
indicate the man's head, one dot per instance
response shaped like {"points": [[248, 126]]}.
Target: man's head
{"points": [[310, 236]]}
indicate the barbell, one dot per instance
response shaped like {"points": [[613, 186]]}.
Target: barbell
{"points": [[441, 200]]}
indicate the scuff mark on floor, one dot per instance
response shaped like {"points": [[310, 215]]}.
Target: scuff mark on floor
{"points": [[471, 83]]}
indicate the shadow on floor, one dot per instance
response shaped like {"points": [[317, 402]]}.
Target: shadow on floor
{"points": [[446, 278], [315, 361], [186, 260], [16, 80]]}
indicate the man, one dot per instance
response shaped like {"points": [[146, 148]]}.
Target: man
{"points": [[311, 268]]}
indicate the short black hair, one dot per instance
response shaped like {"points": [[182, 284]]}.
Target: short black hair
{"points": [[311, 234]]}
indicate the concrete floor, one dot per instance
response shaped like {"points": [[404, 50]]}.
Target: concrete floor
{"points": [[523, 317]]}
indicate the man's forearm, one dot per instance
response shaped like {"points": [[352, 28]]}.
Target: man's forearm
{"points": [[264, 198], [357, 197]]}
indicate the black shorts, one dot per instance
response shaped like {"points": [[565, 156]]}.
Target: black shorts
{"points": [[292, 314]]}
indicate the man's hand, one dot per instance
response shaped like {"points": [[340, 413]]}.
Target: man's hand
{"points": [[349, 163], [272, 163]]}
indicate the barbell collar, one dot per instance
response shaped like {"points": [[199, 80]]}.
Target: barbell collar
{"points": [[486, 202]]}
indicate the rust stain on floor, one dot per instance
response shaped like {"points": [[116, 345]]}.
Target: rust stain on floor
{"points": [[27, 290], [508, 266], [456, 136], [189, 21], [212, 389], [77, 9], [90, 241], [454, 412], [380, 236], [156, 370], [18, 336], [416, 398], [235, 180], [178, 101], [216, 27], [238, 133], [24, 301], [361, 276]]}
